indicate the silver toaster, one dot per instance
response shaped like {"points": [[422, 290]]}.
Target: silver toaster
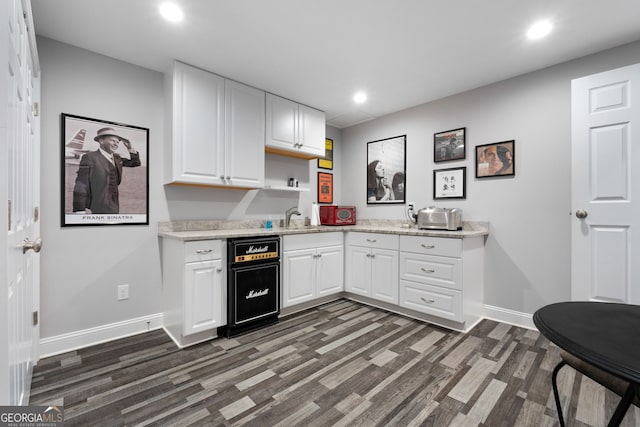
{"points": [[433, 218]]}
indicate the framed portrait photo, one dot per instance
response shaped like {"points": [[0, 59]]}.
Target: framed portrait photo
{"points": [[325, 187], [496, 159], [105, 172], [450, 183], [386, 166], [449, 145]]}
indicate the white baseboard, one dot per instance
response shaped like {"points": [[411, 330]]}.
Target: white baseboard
{"points": [[74, 340], [87, 337], [524, 320]]}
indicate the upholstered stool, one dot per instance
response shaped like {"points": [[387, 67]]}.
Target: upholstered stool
{"points": [[607, 380]]}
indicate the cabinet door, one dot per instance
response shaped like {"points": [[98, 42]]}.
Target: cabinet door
{"points": [[197, 126], [298, 277], [204, 296], [282, 123], [244, 135], [329, 270], [312, 130], [358, 267], [384, 275]]}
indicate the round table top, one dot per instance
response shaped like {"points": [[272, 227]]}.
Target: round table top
{"points": [[607, 335]]}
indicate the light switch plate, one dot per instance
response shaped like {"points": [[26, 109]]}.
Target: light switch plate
{"points": [[123, 292]]}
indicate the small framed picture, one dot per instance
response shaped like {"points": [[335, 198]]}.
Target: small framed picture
{"points": [[496, 159], [450, 183], [325, 187], [326, 162], [449, 145]]}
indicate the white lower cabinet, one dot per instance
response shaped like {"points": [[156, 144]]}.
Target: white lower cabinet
{"points": [[312, 267], [194, 289], [204, 300], [372, 265], [443, 277]]}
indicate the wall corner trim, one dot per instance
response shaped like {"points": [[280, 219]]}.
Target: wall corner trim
{"points": [[524, 320], [84, 338]]}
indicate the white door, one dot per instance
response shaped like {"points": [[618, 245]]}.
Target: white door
{"points": [[198, 126], [298, 276], [204, 296], [20, 134], [282, 123], [384, 275], [244, 135], [358, 267], [330, 270], [312, 130], [606, 186]]}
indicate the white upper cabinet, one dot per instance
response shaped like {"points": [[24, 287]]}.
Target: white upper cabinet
{"points": [[293, 129], [244, 135], [217, 130]]}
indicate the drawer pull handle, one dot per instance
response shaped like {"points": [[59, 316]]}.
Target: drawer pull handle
{"points": [[428, 301], [373, 255], [204, 251], [428, 270], [427, 246], [371, 240]]}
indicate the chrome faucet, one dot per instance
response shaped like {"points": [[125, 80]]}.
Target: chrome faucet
{"points": [[291, 211]]}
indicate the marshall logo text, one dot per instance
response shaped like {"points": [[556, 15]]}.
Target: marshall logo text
{"points": [[254, 294], [257, 250]]}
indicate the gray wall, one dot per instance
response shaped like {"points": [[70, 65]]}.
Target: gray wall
{"points": [[528, 253], [82, 266]]}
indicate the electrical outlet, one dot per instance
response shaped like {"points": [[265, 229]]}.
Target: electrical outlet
{"points": [[123, 292]]}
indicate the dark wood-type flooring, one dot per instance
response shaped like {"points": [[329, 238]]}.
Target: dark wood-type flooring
{"points": [[341, 364]]}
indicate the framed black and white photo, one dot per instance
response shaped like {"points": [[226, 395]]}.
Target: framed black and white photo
{"points": [[386, 170], [449, 145], [105, 172], [450, 183], [496, 159]]}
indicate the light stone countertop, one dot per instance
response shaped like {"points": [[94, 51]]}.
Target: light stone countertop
{"points": [[220, 229]]}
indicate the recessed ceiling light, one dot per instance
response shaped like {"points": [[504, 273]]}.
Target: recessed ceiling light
{"points": [[360, 97], [539, 30], [171, 12]]}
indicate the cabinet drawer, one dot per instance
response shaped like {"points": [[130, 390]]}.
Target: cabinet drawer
{"points": [[441, 271], [431, 245], [293, 242], [202, 250], [434, 300], [373, 240]]}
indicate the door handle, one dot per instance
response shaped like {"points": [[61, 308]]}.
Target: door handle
{"points": [[581, 214], [27, 244]]}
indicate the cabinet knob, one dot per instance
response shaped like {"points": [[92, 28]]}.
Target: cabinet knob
{"points": [[219, 270], [373, 255], [428, 301], [427, 246], [427, 270]]}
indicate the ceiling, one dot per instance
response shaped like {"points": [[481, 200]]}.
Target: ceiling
{"points": [[402, 53]]}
